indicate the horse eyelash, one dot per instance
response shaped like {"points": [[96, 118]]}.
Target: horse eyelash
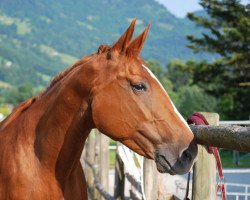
{"points": [[143, 86]]}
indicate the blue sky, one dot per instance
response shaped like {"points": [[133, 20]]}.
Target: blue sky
{"points": [[181, 7]]}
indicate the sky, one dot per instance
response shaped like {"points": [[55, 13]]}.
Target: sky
{"points": [[181, 7]]}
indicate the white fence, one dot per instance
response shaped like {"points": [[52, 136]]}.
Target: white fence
{"points": [[234, 191], [244, 194]]}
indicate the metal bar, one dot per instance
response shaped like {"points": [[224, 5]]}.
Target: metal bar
{"points": [[244, 122], [237, 171], [238, 184], [246, 193]]}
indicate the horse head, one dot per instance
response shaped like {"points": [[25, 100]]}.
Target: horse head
{"points": [[131, 106]]}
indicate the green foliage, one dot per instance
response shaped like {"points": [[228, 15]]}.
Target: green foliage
{"points": [[158, 71], [227, 34], [177, 79], [192, 99], [38, 39], [228, 161], [5, 109], [177, 72], [43, 37], [19, 94]]}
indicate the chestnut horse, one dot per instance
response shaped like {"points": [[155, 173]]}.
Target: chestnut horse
{"points": [[113, 90]]}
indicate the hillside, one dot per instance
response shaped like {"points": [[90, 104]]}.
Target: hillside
{"points": [[40, 38]]}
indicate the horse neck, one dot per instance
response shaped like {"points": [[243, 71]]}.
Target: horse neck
{"points": [[63, 127]]}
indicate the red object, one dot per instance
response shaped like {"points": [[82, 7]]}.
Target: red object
{"points": [[199, 119]]}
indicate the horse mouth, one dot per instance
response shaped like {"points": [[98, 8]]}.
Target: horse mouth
{"points": [[163, 166], [178, 167]]}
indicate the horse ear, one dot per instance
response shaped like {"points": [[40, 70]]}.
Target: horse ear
{"points": [[124, 40], [137, 44]]}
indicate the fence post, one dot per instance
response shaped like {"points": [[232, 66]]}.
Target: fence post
{"points": [[97, 195], [104, 162], [90, 157], [119, 177], [150, 182], [204, 176]]}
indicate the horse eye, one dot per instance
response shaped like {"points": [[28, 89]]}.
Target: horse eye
{"points": [[139, 87]]}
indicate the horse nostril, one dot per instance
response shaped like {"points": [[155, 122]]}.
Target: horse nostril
{"points": [[189, 154], [186, 156]]}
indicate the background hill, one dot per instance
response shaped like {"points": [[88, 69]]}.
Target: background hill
{"points": [[40, 38]]}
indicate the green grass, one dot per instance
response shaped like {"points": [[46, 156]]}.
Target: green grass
{"points": [[6, 20], [5, 109], [23, 26], [44, 77], [4, 85], [228, 162], [112, 142], [65, 58], [112, 155], [167, 27]]}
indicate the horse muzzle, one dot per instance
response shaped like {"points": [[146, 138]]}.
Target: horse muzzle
{"points": [[170, 161]]}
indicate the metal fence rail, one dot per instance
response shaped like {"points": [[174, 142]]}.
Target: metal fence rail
{"points": [[237, 195], [242, 122]]}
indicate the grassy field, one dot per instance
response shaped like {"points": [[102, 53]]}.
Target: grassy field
{"points": [[228, 162], [5, 109], [112, 154]]}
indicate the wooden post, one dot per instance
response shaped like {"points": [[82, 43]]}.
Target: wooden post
{"points": [[97, 195], [150, 182], [204, 176], [119, 177], [154, 182], [90, 157], [104, 162]]}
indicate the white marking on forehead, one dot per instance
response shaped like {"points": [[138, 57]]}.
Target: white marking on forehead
{"points": [[175, 109], [179, 115], [154, 77]]}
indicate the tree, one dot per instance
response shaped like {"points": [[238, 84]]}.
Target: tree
{"points": [[158, 71], [19, 94], [178, 73], [227, 35], [192, 99], [189, 98]]}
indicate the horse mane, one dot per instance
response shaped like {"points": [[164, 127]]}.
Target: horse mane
{"points": [[17, 112], [66, 71], [19, 109]]}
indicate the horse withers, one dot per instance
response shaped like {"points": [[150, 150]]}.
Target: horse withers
{"points": [[113, 90]]}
